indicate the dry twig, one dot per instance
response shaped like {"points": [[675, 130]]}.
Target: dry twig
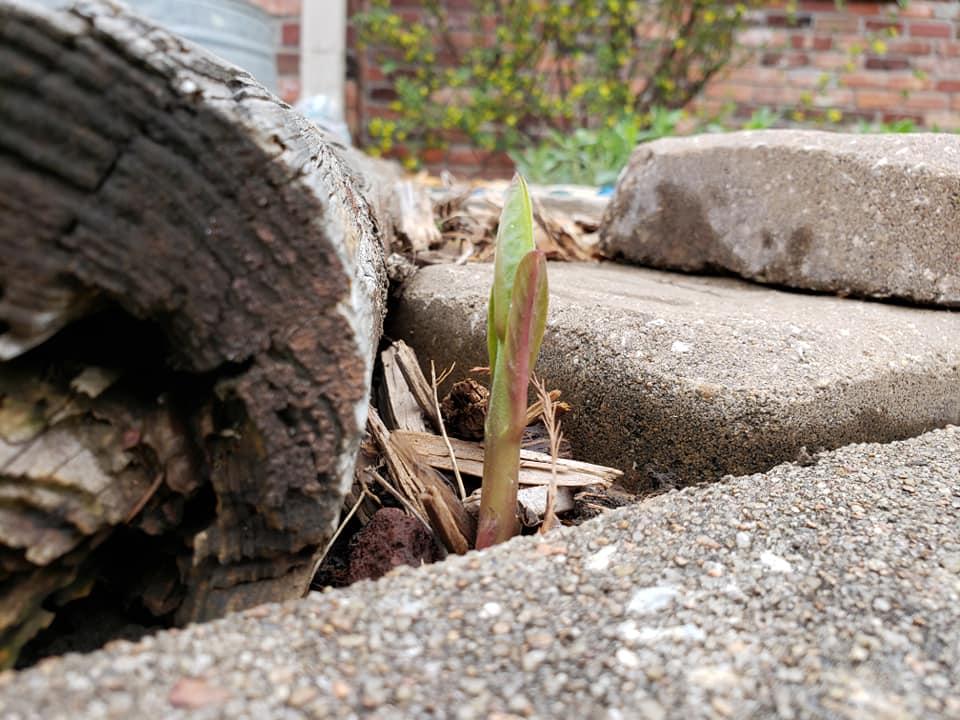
{"points": [[435, 383]]}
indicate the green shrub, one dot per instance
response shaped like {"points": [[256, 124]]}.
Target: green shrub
{"points": [[543, 66]]}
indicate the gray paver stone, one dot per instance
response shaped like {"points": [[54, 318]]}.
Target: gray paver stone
{"points": [[677, 379], [870, 215]]}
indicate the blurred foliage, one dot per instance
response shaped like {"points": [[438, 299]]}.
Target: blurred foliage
{"points": [[596, 156], [535, 68], [896, 126], [592, 156], [569, 88]]}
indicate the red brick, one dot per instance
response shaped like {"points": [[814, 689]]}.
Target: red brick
{"points": [[949, 86], [788, 20], [822, 43], [885, 62], [729, 92], [373, 73], [877, 99], [452, 137], [498, 160], [383, 94], [883, 25], [818, 5], [908, 81], [865, 8], [836, 23], [830, 61], [804, 78], [798, 42], [887, 81], [854, 116], [891, 117], [433, 156], [950, 49], [777, 95], [909, 47], [289, 89], [863, 80], [397, 152], [916, 9], [290, 34], [926, 101], [288, 63], [280, 7], [939, 30], [955, 103], [833, 98], [465, 156], [373, 110], [410, 17], [756, 75], [785, 60]]}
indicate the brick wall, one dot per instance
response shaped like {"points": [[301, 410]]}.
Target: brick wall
{"points": [[287, 21], [869, 61], [369, 94], [804, 64]]}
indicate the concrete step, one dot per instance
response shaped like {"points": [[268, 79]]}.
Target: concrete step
{"points": [[677, 379]]}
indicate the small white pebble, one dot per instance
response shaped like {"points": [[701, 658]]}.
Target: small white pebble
{"points": [[600, 560], [628, 658], [491, 609], [680, 347], [628, 631], [650, 599], [776, 563]]}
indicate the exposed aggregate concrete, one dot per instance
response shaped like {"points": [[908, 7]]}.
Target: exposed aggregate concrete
{"points": [[830, 590]]}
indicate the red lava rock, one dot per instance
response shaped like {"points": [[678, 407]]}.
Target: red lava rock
{"points": [[390, 539]]}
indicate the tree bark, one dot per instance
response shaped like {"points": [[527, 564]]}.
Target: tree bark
{"points": [[139, 171]]}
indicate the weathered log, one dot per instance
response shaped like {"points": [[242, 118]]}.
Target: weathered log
{"points": [[140, 172]]}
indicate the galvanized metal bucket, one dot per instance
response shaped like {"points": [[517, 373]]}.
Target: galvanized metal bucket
{"points": [[236, 30]]}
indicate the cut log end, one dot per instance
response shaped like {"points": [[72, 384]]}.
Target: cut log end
{"points": [[141, 173]]}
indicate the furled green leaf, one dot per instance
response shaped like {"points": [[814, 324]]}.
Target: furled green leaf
{"points": [[514, 240], [525, 326]]}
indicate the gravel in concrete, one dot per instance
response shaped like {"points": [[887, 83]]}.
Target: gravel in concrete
{"points": [[822, 591], [676, 379], [872, 215]]}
